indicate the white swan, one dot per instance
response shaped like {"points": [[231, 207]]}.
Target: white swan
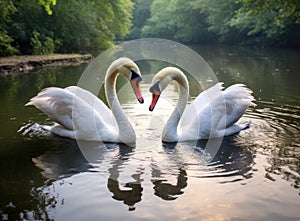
{"points": [[79, 114], [212, 114]]}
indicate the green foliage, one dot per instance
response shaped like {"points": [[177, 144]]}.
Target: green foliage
{"points": [[47, 26], [218, 15], [48, 46], [178, 20], [283, 11], [141, 13], [251, 21], [74, 25], [160, 23], [6, 8], [47, 5], [271, 22], [6, 48], [51, 45], [30, 17], [36, 43]]}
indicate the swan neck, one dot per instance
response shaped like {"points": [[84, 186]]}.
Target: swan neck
{"points": [[126, 132], [170, 133]]}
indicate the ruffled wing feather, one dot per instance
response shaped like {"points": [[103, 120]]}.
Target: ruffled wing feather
{"points": [[56, 103], [214, 110], [95, 104]]}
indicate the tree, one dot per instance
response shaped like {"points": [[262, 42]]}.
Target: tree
{"points": [[86, 25], [177, 20], [74, 25], [252, 22], [271, 20], [285, 11], [47, 5], [7, 8], [141, 13], [29, 17], [160, 24], [218, 16]]}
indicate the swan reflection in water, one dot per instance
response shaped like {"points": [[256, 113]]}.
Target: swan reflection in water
{"points": [[168, 191], [124, 168], [133, 193]]}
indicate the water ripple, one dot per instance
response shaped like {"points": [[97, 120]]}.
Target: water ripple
{"points": [[34, 130]]}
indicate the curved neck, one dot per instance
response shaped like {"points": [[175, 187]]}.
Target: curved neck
{"points": [[126, 133], [170, 131]]}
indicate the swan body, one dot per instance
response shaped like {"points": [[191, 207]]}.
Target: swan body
{"points": [[79, 114], [214, 113]]}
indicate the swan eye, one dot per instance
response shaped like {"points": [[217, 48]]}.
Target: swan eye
{"points": [[155, 89], [134, 75]]}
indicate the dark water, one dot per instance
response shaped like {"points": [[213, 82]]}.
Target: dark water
{"points": [[255, 174]]}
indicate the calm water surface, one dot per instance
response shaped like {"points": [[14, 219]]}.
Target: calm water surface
{"points": [[255, 174]]}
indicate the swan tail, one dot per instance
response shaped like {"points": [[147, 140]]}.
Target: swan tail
{"points": [[237, 99], [240, 95]]}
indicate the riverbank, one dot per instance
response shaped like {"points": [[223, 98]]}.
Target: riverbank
{"points": [[26, 63]]}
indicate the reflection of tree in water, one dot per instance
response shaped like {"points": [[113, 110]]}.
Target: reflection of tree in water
{"points": [[63, 161], [276, 139], [284, 162], [25, 193], [30, 204], [287, 162], [168, 191], [133, 193], [284, 157]]}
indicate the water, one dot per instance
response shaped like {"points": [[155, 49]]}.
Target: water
{"points": [[254, 176]]}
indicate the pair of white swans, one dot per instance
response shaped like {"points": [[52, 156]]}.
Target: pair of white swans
{"points": [[79, 114]]}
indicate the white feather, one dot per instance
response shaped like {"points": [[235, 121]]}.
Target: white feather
{"points": [[212, 114], [79, 114]]}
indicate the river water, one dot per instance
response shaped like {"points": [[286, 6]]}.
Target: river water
{"points": [[254, 175]]}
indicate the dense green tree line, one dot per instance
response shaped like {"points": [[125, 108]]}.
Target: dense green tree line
{"points": [[6, 8], [265, 23], [45, 26]]}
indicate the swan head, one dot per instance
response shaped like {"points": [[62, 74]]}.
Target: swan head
{"points": [[131, 72], [161, 80]]}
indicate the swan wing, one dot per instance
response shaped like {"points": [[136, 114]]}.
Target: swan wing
{"points": [[237, 99], [56, 103], [90, 124], [200, 104], [95, 103], [74, 114], [215, 110], [208, 96]]}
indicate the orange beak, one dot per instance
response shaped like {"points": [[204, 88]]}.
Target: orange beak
{"points": [[135, 84], [154, 101]]}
